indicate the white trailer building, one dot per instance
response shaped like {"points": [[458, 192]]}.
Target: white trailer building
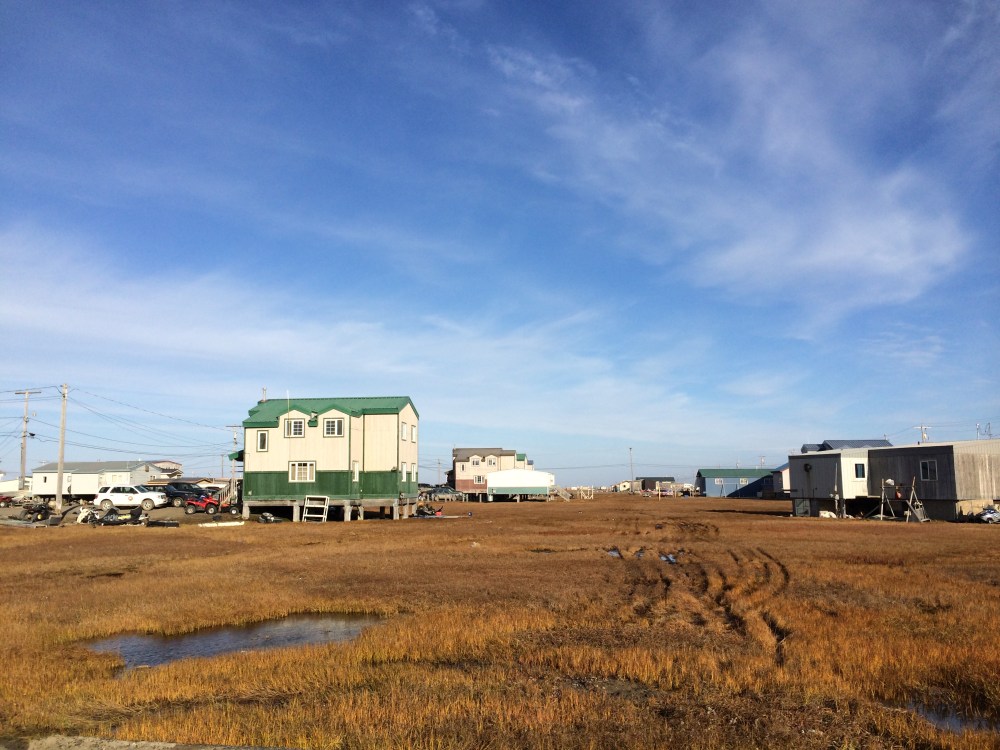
{"points": [[517, 484], [83, 479]]}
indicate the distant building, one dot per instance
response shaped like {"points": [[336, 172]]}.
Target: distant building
{"points": [[839, 445], [733, 482], [950, 479], [173, 468], [654, 484], [471, 466]]}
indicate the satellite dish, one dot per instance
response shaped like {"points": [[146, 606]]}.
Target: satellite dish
{"points": [[808, 467]]}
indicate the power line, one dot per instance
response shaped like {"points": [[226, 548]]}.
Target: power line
{"points": [[149, 411], [128, 442]]}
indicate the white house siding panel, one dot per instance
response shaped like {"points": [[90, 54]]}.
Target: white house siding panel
{"points": [[329, 453], [850, 486], [382, 443], [357, 442]]}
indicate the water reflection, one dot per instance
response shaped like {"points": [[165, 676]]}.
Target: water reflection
{"points": [[950, 721], [297, 630]]}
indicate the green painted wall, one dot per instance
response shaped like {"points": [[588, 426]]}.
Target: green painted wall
{"points": [[265, 485]]}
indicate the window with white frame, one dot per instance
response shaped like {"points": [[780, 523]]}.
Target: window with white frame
{"points": [[462, 468], [261, 441], [744, 481], [413, 434], [333, 427], [403, 434], [355, 471], [491, 461], [479, 479], [302, 471], [475, 462], [718, 480], [402, 471], [859, 471], [928, 471], [295, 428]]}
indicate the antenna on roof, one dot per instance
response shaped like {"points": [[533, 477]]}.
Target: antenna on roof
{"points": [[263, 393]]}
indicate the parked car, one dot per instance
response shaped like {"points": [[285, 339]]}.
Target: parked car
{"points": [[195, 489], [6, 501], [177, 496], [444, 494], [129, 496], [988, 515]]}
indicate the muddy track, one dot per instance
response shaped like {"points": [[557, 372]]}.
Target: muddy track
{"points": [[735, 591]]}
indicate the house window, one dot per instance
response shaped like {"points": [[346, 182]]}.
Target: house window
{"points": [[356, 471], [333, 428], [402, 470], [261, 441], [302, 471], [478, 479], [491, 461], [413, 434], [475, 462], [744, 481], [928, 471], [718, 480], [295, 428], [859, 471], [402, 431]]}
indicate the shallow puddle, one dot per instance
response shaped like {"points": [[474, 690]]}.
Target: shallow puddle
{"points": [[297, 630], [951, 721]]}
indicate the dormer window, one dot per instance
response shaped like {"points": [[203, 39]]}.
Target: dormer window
{"points": [[295, 428]]}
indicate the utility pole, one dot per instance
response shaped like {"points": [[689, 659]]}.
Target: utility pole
{"points": [[631, 474], [24, 438], [232, 461], [62, 450]]}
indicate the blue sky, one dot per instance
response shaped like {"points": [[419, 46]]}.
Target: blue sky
{"points": [[705, 232]]}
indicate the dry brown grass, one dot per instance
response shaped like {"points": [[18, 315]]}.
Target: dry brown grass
{"points": [[516, 628]]}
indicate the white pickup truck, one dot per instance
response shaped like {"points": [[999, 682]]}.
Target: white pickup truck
{"points": [[129, 496]]}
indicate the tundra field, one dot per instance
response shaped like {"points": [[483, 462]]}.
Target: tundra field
{"points": [[532, 625]]}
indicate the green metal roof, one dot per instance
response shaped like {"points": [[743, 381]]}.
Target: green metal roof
{"points": [[267, 413], [742, 473]]}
